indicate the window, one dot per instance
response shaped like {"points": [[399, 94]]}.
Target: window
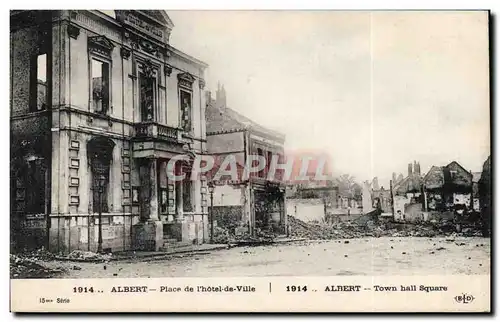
{"points": [[39, 83], [268, 162], [186, 111], [100, 152], [261, 173], [100, 169], [187, 193], [100, 86], [148, 97]]}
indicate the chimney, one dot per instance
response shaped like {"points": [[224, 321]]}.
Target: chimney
{"points": [[416, 168], [409, 169], [220, 97]]}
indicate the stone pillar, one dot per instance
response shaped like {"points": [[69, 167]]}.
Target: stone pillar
{"points": [[153, 190], [179, 214], [251, 220], [247, 208], [148, 235]]}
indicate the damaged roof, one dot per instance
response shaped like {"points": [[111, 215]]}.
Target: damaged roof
{"points": [[411, 183], [228, 120]]}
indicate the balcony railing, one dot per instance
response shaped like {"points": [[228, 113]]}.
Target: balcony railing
{"points": [[155, 130]]}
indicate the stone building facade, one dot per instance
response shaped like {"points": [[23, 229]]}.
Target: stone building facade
{"points": [[99, 104]]}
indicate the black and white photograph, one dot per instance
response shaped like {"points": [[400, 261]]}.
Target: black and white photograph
{"points": [[250, 144]]}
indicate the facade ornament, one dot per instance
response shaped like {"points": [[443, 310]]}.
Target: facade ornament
{"points": [[147, 69], [125, 52], [168, 70], [201, 82], [73, 14], [73, 31], [148, 47], [100, 44], [185, 80]]}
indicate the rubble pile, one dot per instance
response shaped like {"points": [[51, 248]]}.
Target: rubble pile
{"points": [[87, 256], [32, 266], [368, 228], [227, 236], [222, 236]]}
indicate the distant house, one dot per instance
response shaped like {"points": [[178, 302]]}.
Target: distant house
{"points": [[407, 194], [382, 199], [448, 188]]}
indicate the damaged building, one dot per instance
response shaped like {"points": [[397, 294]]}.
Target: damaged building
{"points": [[448, 188], [100, 102], [252, 204], [313, 201], [407, 201]]}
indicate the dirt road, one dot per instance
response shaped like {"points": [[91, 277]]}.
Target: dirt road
{"points": [[367, 256]]}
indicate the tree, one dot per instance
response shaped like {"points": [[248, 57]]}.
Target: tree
{"points": [[348, 186]]}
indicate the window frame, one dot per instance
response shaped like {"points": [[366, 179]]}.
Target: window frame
{"points": [[33, 101], [104, 60], [185, 84], [140, 78], [190, 93], [140, 67]]}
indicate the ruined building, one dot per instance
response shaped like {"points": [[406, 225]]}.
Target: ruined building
{"points": [[247, 204], [448, 188], [99, 104]]}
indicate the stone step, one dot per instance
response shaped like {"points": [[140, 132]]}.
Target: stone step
{"points": [[170, 240]]}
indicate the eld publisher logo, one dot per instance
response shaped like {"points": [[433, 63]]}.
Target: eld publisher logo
{"points": [[464, 298]]}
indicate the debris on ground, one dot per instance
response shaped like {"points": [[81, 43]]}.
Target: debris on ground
{"points": [[26, 266], [368, 228], [224, 235], [87, 256]]}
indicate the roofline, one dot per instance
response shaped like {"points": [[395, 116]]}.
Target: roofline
{"points": [[434, 166], [469, 172], [187, 57], [226, 131]]}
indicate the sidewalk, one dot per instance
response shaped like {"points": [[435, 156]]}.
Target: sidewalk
{"points": [[192, 249], [176, 250]]}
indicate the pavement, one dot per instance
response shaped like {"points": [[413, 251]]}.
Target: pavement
{"points": [[177, 250], [363, 256]]}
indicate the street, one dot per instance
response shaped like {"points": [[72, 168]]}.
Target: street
{"points": [[366, 256]]}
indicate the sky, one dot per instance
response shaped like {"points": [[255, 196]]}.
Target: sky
{"points": [[375, 91]]}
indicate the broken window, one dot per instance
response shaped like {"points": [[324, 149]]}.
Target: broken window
{"points": [[39, 83], [186, 110], [100, 86], [100, 151], [100, 185], [262, 156], [147, 94]]}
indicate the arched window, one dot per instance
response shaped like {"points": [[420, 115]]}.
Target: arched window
{"points": [[100, 154]]}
